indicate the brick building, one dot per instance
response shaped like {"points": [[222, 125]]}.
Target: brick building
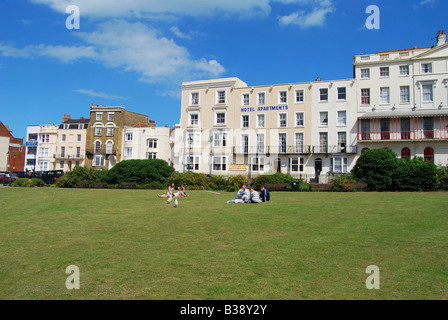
{"points": [[16, 152]]}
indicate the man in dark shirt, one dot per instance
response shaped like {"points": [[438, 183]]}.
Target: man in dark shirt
{"points": [[265, 195]]}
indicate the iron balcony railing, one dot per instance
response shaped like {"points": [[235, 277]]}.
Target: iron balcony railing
{"points": [[403, 135], [68, 156]]}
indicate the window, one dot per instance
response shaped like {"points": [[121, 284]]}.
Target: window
{"points": [[221, 99], [404, 94], [128, 152], [323, 118], [194, 119], [427, 93], [384, 95], [365, 96], [77, 163], [323, 94], [428, 128], [298, 142], [245, 121], [66, 126], [110, 116], [426, 67], [32, 137], [338, 165], [405, 128], [194, 137], [323, 142], [152, 143], [342, 118], [192, 163], [220, 163], [384, 72], [80, 126], [78, 152], [43, 165], [64, 138], [282, 120], [61, 164], [260, 121], [29, 162], [31, 150], [342, 93], [78, 138], [300, 119], [257, 164], [342, 141], [282, 97], [98, 131], [98, 147], [245, 99], [296, 164], [260, 143], [404, 54], [110, 131], [261, 98], [98, 160], [300, 96], [405, 153], [365, 129], [429, 155], [220, 139], [99, 116], [282, 143], [404, 71], [365, 73], [194, 98], [385, 129], [109, 147], [384, 56], [151, 155], [129, 136], [45, 138], [44, 152], [62, 152], [220, 118], [245, 143]]}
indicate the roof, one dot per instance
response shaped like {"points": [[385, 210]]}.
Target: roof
{"points": [[404, 114], [70, 121], [399, 50]]}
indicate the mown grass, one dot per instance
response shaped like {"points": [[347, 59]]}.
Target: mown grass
{"points": [[129, 244]]}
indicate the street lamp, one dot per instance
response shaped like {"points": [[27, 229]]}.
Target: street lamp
{"points": [[190, 142], [14, 164]]}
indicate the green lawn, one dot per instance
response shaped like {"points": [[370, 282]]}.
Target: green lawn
{"points": [[129, 244]]}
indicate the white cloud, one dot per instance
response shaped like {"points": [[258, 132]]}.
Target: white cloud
{"points": [[427, 2], [315, 16], [95, 94], [64, 54], [133, 47], [180, 34]]}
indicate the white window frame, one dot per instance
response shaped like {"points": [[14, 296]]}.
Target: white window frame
{"points": [[99, 116], [345, 94], [384, 69], [260, 149], [258, 98], [242, 121], [109, 147], [110, 116], [423, 92], [340, 112], [296, 96], [95, 148], [128, 152], [258, 121], [196, 139], [190, 119], [300, 164], [218, 101], [63, 138], [192, 102], [280, 120], [382, 90], [298, 149], [279, 96], [129, 136], [102, 160], [323, 124], [286, 142], [344, 165], [98, 131], [196, 162], [110, 131], [363, 75], [408, 98], [320, 94], [220, 139], [404, 70], [243, 102], [216, 117], [221, 163], [78, 138], [427, 70], [259, 166], [152, 143], [151, 155], [242, 143], [296, 119]]}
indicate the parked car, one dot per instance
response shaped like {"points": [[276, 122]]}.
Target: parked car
{"points": [[5, 178], [50, 177]]}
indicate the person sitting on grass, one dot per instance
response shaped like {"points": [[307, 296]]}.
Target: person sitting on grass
{"points": [[265, 195], [243, 194], [254, 196], [171, 193]]}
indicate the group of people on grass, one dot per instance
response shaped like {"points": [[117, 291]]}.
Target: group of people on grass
{"points": [[250, 195], [244, 195], [172, 192]]}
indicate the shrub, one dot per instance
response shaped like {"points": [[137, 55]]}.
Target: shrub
{"points": [[343, 179], [190, 180], [275, 178], [415, 175], [304, 186], [234, 183], [28, 183], [79, 174], [217, 183], [138, 171], [376, 167], [442, 175], [154, 186]]}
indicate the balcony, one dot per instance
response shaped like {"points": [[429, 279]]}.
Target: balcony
{"points": [[69, 156], [403, 135], [294, 150]]}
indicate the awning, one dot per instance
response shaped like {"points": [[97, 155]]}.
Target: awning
{"points": [[404, 114]]}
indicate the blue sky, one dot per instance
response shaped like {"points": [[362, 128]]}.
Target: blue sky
{"points": [[137, 53]]}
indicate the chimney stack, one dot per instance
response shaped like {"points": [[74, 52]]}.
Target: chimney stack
{"points": [[66, 117], [441, 38]]}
